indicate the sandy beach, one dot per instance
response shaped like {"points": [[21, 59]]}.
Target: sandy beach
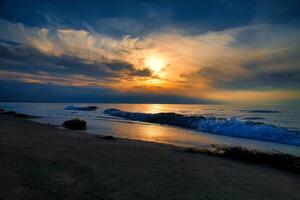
{"points": [[39, 161]]}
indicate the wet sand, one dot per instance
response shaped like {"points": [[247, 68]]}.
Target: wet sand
{"points": [[39, 161]]}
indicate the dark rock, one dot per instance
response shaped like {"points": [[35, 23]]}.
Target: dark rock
{"points": [[87, 108], [20, 115], [75, 124], [91, 108], [108, 137], [9, 112]]}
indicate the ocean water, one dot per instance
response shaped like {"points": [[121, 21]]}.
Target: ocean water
{"points": [[266, 128]]}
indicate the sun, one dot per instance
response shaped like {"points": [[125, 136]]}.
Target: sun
{"points": [[155, 63]]}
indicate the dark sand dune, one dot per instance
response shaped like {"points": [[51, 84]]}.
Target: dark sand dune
{"points": [[41, 162]]}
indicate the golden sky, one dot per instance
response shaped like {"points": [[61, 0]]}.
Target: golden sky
{"points": [[215, 65]]}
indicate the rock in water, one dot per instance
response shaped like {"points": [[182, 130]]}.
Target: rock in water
{"points": [[87, 108]]}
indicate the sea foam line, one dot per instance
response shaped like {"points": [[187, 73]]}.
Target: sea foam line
{"points": [[220, 126]]}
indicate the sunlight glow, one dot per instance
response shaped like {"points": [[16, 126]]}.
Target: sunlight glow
{"points": [[155, 63]]}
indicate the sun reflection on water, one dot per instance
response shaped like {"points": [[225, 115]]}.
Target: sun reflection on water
{"points": [[155, 108]]}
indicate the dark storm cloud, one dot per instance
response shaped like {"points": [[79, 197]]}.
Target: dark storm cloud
{"points": [[280, 79], [19, 58], [35, 92]]}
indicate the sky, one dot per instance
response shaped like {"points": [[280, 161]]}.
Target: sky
{"points": [[159, 51]]}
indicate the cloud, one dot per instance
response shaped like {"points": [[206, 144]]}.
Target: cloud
{"points": [[29, 60], [65, 54], [11, 90], [254, 57], [270, 69]]}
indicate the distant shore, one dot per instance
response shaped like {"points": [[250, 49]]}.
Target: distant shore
{"points": [[39, 161]]}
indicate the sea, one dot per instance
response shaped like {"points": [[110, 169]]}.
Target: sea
{"points": [[263, 128]]}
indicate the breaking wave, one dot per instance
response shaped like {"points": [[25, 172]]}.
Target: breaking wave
{"points": [[87, 108], [220, 126]]}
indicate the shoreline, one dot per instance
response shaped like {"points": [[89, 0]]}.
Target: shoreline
{"points": [[273, 158], [39, 161], [167, 134]]}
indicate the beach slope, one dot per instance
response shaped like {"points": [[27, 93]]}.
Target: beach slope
{"points": [[39, 161]]}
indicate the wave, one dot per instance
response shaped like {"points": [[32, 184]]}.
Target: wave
{"points": [[87, 108], [253, 118], [260, 111], [220, 126]]}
